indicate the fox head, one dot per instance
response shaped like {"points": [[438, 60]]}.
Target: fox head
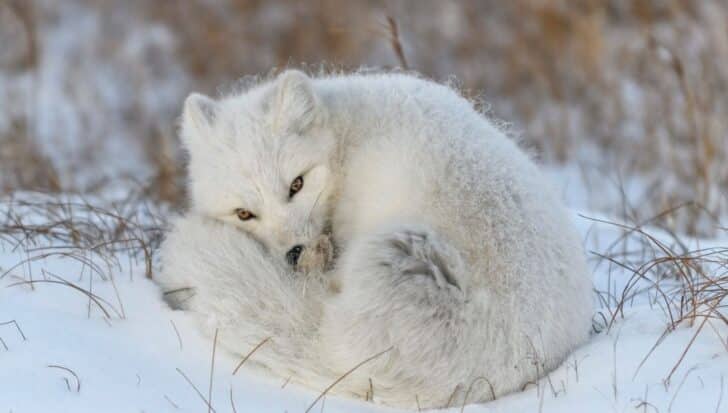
{"points": [[261, 161]]}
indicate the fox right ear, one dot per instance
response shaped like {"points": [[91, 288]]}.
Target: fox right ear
{"points": [[292, 104], [197, 117]]}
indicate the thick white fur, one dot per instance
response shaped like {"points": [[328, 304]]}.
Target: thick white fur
{"points": [[454, 253]]}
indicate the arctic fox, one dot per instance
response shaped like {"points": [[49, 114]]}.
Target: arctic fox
{"points": [[374, 222]]}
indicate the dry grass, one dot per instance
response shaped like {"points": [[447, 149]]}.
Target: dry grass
{"points": [[212, 371], [687, 282], [72, 373], [79, 228], [96, 235], [250, 353], [343, 376], [15, 323], [199, 393], [641, 82]]}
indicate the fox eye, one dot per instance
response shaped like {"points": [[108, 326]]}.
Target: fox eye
{"points": [[244, 214], [296, 186]]}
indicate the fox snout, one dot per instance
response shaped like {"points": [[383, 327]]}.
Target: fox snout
{"points": [[294, 254]]}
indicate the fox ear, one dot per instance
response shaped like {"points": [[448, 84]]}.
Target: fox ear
{"points": [[292, 104], [197, 117]]}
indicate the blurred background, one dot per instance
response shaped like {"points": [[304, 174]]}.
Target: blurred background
{"points": [[626, 100]]}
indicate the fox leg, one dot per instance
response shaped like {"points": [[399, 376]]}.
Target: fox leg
{"points": [[402, 293]]}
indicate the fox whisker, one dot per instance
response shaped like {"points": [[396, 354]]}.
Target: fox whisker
{"points": [[310, 211]]}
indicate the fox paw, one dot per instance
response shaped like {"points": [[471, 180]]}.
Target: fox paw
{"points": [[418, 253]]}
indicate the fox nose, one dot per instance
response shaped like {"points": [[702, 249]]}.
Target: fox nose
{"points": [[293, 254]]}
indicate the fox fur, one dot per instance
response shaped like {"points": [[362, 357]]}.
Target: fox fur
{"points": [[451, 268]]}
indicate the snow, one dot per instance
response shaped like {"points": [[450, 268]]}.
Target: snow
{"points": [[123, 365], [109, 81], [136, 360]]}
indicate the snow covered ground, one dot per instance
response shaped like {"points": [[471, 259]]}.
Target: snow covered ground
{"points": [[61, 353]]}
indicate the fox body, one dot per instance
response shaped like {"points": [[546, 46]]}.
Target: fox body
{"points": [[456, 265]]}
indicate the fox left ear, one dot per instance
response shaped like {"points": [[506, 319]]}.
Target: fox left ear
{"points": [[197, 118], [293, 104]]}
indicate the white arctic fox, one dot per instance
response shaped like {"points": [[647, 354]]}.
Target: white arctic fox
{"points": [[455, 264]]}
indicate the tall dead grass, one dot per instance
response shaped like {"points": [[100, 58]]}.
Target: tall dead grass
{"points": [[95, 233], [689, 283], [641, 84]]}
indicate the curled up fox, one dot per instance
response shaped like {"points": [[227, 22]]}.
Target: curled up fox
{"points": [[378, 221]]}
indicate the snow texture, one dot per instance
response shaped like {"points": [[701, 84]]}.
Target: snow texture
{"points": [[139, 358]]}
